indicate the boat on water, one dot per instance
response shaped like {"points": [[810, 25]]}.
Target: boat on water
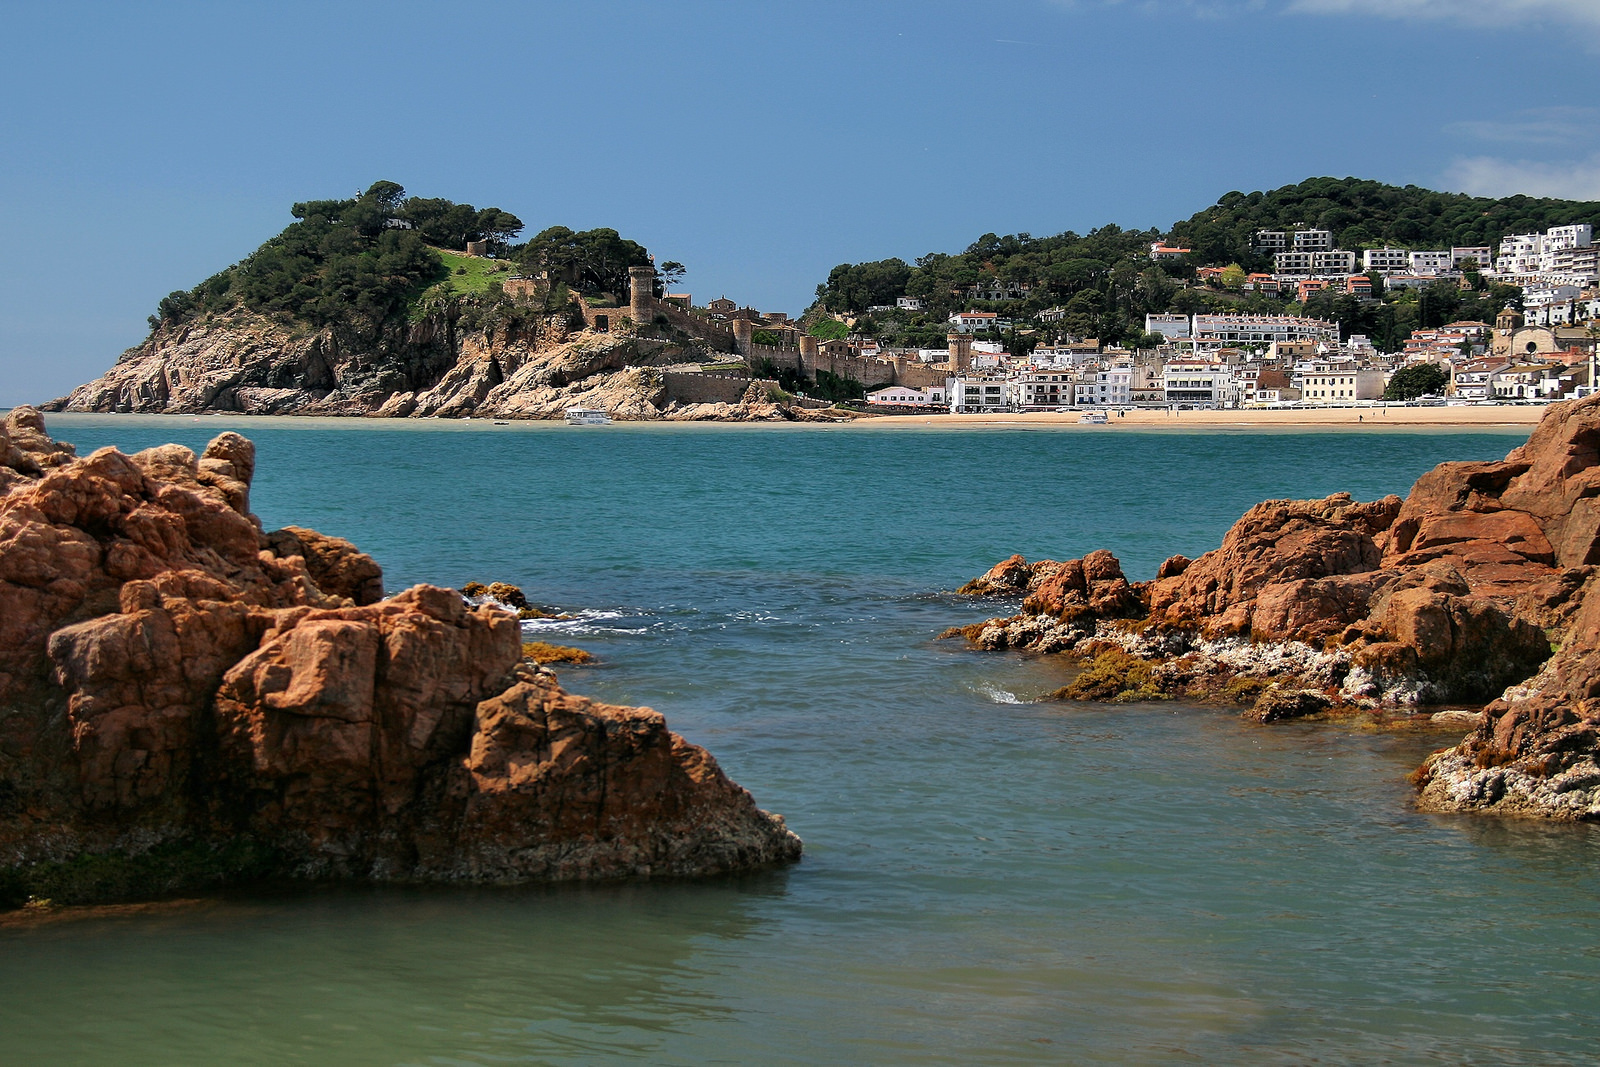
{"points": [[582, 416], [1093, 418]]}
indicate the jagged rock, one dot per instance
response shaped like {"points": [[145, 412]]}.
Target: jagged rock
{"points": [[1453, 594], [1277, 704], [1006, 578], [175, 682], [243, 362]]}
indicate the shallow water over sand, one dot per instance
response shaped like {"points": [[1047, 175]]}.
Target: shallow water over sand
{"points": [[988, 878]]}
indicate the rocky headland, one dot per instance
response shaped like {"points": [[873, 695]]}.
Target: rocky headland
{"points": [[1476, 587], [187, 700], [517, 367]]}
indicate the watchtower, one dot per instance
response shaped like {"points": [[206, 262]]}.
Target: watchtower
{"points": [[642, 295], [960, 353], [744, 332], [808, 355]]}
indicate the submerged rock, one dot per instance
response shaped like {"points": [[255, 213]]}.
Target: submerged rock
{"points": [[186, 700], [1454, 594]]}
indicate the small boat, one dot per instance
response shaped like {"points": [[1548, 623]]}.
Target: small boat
{"points": [[1093, 418], [582, 416], [501, 422]]}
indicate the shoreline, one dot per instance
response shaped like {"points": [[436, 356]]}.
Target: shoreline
{"points": [[1498, 419]]}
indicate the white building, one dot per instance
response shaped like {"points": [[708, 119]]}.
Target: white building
{"points": [[1333, 262], [1473, 381], [1313, 240], [1045, 390], [1262, 329], [909, 303], [1386, 259], [1271, 240], [1409, 281], [902, 396], [1535, 253], [1197, 383], [1431, 262], [978, 322], [1480, 253], [1172, 327], [1296, 262], [1558, 237], [987, 393], [1111, 385]]}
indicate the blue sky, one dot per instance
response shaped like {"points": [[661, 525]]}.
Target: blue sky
{"points": [[147, 146]]}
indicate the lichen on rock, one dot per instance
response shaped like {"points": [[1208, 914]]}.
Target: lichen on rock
{"points": [[1460, 592]]}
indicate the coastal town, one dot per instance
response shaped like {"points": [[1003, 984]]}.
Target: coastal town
{"points": [[995, 363]]}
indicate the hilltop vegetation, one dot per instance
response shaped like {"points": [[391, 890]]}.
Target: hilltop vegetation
{"points": [[1104, 282], [1367, 214], [371, 260]]}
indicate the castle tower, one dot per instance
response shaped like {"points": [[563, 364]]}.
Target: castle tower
{"points": [[744, 337], [808, 355], [642, 295], [960, 353]]}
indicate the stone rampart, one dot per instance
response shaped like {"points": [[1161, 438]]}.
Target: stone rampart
{"points": [[714, 334], [921, 375], [688, 387], [606, 320]]}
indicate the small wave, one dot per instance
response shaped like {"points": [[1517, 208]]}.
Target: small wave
{"points": [[997, 695], [589, 622]]}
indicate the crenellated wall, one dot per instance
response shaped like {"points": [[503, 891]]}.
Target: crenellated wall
{"points": [[689, 387]]}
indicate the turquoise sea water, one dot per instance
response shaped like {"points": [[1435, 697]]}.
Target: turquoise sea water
{"points": [[988, 878]]}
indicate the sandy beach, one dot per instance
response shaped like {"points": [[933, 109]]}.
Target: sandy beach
{"points": [[1376, 418], [1507, 419]]}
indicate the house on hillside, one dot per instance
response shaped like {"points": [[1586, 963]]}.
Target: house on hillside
{"points": [[978, 321]]}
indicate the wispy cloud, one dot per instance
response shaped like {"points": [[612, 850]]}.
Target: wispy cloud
{"points": [[1470, 12], [1489, 176], [1543, 125]]}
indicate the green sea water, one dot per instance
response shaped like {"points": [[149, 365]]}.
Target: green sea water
{"points": [[989, 877]]}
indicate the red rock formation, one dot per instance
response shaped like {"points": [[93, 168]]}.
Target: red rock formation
{"points": [[174, 681], [1453, 594]]}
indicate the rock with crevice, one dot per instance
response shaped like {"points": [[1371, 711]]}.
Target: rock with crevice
{"points": [[186, 699], [1458, 593]]}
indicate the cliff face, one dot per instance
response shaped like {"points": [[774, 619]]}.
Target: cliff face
{"points": [[259, 365], [1453, 594], [185, 699]]}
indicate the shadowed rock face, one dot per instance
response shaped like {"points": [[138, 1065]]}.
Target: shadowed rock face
{"points": [[176, 683], [1453, 594]]}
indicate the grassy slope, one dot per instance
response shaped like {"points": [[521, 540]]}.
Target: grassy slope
{"points": [[478, 272]]}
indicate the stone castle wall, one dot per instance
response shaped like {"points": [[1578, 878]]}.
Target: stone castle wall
{"points": [[688, 387]]}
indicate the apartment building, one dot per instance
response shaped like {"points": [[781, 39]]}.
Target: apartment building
{"points": [[1111, 385], [1262, 329], [1040, 390], [1271, 240], [1386, 259], [973, 393], [1172, 327], [1430, 262], [1313, 240], [1333, 262], [1293, 262], [1340, 380], [1197, 383]]}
